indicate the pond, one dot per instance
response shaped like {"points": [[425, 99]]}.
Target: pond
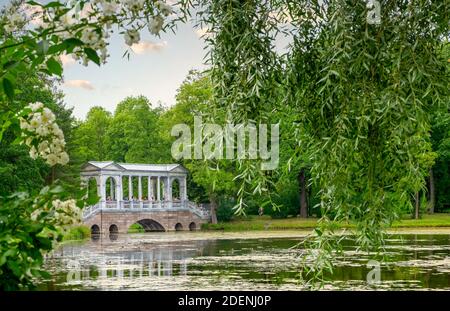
{"points": [[239, 261]]}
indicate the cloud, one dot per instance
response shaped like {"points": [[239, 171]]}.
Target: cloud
{"points": [[82, 84], [201, 32], [148, 46], [66, 60]]}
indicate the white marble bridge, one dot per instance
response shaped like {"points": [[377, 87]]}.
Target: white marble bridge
{"points": [[156, 198]]}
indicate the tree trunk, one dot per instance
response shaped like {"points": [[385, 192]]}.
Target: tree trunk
{"points": [[213, 206], [416, 214], [432, 201], [302, 185]]}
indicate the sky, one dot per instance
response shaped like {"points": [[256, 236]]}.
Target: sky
{"points": [[155, 69]]}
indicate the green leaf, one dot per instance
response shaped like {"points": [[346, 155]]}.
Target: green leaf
{"points": [[8, 87], [34, 3], [9, 64], [92, 55], [43, 46], [5, 126], [53, 4], [54, 67]]}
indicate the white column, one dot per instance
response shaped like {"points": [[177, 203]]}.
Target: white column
{"points": [[111, 188], [140, 191], [98, 182], [118, 183], [184, 193], [139, 188], [158, 190], [130, 188], [149, 191], [149, 188], [166, 188], [169, 192], [103, 190]]}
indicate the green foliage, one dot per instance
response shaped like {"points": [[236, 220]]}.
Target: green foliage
{"points": [[359, 97], [440, 138], [136, 228], [80, 232], [25, 237], [225, 210], [134, 133], [18, 172], [90, 136]]}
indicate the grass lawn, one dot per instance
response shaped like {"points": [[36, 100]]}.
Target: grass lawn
{"points": [[294, 223]]}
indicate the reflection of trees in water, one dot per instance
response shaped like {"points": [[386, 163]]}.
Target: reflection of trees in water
{"points": [[159, 260]]}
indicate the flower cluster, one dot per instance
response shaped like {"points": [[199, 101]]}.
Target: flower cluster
{"points": [[16, 20], [63, 213], [96, 18], [42, 134]]}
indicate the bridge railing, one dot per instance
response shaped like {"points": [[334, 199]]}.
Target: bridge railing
{"points": [[146, 206]]}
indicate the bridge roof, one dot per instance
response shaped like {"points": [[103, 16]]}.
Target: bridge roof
{"points": [[111, 165], [148, 167]]}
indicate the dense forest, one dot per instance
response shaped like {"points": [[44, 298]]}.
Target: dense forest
{"points": [[140, 132]]}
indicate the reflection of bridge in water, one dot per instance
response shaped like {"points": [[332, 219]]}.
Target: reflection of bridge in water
{"points": [[152, 195], [101, 260]]}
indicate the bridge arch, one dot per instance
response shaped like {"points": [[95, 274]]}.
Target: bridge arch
{"points": [[178, 227], [113, 229], [95, 229], [192, 226], [150, 225]]}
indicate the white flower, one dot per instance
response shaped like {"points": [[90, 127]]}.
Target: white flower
{"points": [[47, 116], [89, 36], [109, 8], [100, 44], [59, 143], [16, 19], [58, 133], [131, 37], [9, 28], [42, 131], [67, 19], [133, 5], [76, 57], [35, 121], [33, 153], [155, 24], [164, 8], [52, 159], [28, 141], [36, 106], [85, 60], [35, 214], [63, 158], [23, 124], [103, 55], [43, 147]]}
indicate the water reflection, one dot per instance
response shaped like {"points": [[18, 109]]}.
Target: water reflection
{"points": [[113, 236], [183, 262]]}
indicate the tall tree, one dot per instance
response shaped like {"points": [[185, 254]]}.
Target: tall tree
{"points": [[91, 135], [134, 134]]}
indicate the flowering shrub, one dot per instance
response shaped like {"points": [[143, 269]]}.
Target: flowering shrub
{"points": [[42, 134], [29, 228]]}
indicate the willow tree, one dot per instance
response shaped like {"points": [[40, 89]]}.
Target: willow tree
{"points": [[362, 86]]}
